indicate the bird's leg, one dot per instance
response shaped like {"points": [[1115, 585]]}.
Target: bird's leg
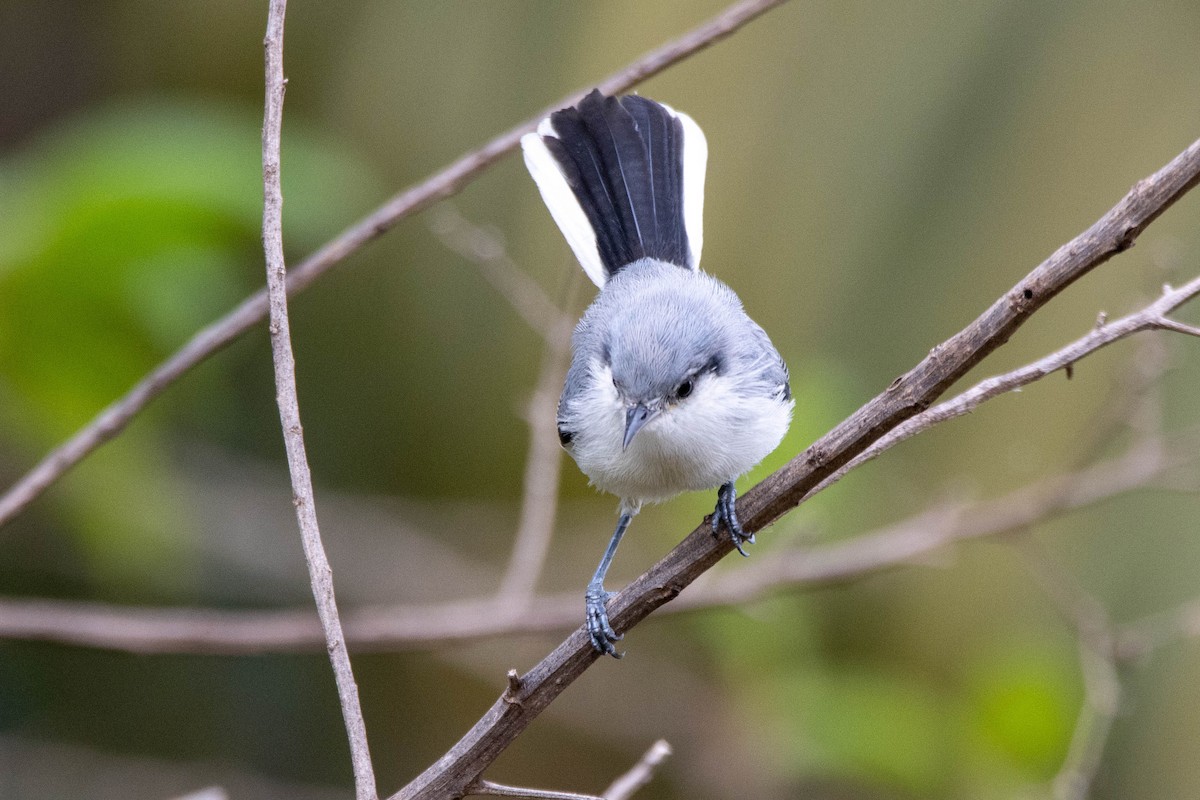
{"points": [[726, 513], [596, 597]]}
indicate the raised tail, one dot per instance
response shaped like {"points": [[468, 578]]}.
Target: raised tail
{"points": [[624, 180]]}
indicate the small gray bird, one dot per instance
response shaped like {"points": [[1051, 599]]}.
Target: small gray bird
{"points": [[671, 388]]}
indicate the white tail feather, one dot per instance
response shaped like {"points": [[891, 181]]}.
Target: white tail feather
{"points": [[559, 198], [695, 163]]}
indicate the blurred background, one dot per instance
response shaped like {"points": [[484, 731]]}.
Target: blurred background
{"points": [[879, 173]]}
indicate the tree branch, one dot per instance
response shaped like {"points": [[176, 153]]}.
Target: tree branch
{"points": [[319, 570], [1152, 317], [623, 788], [520, 793], [391, 628], [640, 774], [110, 422], [543, 465], [908, 395]]}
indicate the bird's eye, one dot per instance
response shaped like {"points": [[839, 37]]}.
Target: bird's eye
{"points": [[684, 389]]}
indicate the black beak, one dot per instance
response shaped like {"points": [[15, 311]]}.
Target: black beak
{"points": [[636, 417]]}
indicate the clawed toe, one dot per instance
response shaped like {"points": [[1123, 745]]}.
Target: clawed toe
{"points": [[726, 514], [598, 626]]}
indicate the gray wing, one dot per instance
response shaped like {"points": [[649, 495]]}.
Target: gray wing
{"points": [[572, 388], [769, 366], [585, 345]]}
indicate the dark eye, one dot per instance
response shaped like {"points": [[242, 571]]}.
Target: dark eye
{"points": [[684, 389]]}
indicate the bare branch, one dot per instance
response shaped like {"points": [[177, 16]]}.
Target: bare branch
{"points": [[539, 497], [543, 465], [1178, 327], [908, 395], [622, 788], [1102, 696], [210, 793], [289, 409], [391, 628], [520, 793], [485, 249], [640, 774], [110, 422], [1101, 680], [1152, 317]]}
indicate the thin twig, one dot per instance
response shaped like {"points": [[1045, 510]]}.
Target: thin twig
{"points": [[1152, 317], [486, 250], [289, 408], [622, 788], [522, 793], [539, 496], [543, 464], [1093, 726], [917, 537], [1104, 691], [640, 773], [111, 421], [1138, 639], [1133, 402], [209, 793], [1098, 665]]}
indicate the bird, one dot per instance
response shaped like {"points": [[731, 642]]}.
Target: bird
{"points": [[672, 387]]}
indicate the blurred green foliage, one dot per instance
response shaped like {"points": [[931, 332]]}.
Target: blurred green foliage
{"points": [[879, 174], [124, 232]]}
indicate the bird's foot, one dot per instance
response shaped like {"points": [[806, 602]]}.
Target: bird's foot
{"points": [[726, 514], [602, 633]]}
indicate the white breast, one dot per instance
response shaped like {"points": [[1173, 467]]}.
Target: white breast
{"points": [[712, 437]]}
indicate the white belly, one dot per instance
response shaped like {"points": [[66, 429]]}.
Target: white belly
{"points": [[693, 445]]}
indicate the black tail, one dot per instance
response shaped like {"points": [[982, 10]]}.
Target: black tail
{"points": [[624, 164]]}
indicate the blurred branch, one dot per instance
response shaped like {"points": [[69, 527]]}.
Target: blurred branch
{"points": [[110, 422], [539, 495], [640, 774], [289, 408], [1098, 664], [1102, 702], [1106, 648], [485, 248], [410, 626], [210, 793], [543, 465]]}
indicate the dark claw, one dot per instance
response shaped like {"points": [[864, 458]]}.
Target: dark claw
{"points": [[598, 626], [726, 513]]}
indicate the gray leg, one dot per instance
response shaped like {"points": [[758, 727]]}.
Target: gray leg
{"points": [[726, 512], [596, 597]]}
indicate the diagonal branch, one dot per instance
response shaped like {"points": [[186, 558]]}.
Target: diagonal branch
{"points": [[289, 408], [908, 395], [1152, 317], [406, 626], [110, 422]]}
